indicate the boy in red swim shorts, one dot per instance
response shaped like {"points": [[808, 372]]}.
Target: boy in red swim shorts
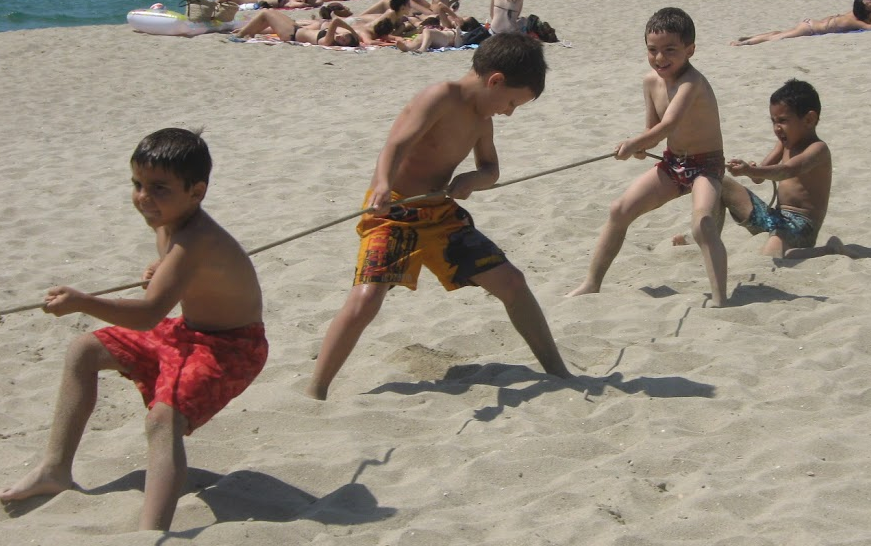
{"points": [[187, 368]]}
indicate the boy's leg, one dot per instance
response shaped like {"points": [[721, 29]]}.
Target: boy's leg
{"points": [[507, 283], [735, 198], [649, 191], [360, 308], [167, 466], [706, 232], [77, 397]]}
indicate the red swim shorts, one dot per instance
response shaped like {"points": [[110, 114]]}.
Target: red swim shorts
{"points": [[197, 373]]}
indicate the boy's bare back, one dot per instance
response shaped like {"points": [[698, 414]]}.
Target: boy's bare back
{"points": [[432, 135], [691, 103], [217, 283]]}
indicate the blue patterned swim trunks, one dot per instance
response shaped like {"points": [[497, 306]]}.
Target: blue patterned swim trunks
{"points": [[796, 230]]}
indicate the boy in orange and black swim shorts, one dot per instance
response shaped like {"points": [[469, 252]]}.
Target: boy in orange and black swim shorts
{"points": [[187, 368], [440, 236], [433, 134]]}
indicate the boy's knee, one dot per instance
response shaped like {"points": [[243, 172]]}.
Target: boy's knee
{"points": [[620, 213], [86, 350], [513, 285], [164, 421], [366, 299]]}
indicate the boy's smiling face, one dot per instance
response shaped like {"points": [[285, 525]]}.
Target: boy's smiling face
{"points": [[667, 55], [161, 198]]}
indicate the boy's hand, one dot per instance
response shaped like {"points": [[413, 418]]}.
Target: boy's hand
{"points": [[739, 167], [626, 149], [379, 200], [149, 272], [62, 300], [461, 187]]}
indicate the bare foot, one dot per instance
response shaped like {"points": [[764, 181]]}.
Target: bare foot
{"points": [[38, 482], [402, 45], [316, 392], [585, 288], [679, 240]]}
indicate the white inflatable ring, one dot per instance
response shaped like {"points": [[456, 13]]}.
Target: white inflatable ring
{"points": [[171, 23]]}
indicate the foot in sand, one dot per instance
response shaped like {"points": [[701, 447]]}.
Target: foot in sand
{"points": [[39, 481], [585, 288], [679, 240]]}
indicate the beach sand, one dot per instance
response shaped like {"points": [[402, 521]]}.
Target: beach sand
{"points": [[746, 425]]}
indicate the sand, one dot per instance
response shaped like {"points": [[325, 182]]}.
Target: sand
{"points": [[696, 426]]}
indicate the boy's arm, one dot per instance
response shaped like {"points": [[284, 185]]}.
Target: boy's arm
{"points": [[736, 166], [164, 291], [486, 171], [415, 120], [801, 163], [659, 128]]}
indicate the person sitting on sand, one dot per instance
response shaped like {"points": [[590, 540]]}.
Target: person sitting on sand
{"points": [[802, 163], [858, 19]]}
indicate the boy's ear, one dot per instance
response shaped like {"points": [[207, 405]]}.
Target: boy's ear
{"points": [[691, 49], [496, 78], [198, 190], [811, 118]]}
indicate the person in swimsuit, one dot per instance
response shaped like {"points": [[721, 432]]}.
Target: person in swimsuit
{"points": [[857, 19], [681, 107], [450, 32], [802, 164], [326, 33], [432, 135], [505, 16], [186, 368]]}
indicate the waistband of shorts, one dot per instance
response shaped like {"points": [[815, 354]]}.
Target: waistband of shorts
{"points": [[704, 156], [254, 329], [394, 196]]}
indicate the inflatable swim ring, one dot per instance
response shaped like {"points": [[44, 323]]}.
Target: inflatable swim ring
{"points": [[170, 23]]}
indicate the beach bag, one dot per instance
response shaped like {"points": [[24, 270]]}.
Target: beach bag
{"points": [[540, 29], [476, 36]]}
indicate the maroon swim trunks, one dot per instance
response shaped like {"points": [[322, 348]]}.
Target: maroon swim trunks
{"points": [[197, 373], [684, 170]]}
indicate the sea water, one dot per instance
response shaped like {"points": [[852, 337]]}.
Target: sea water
{"points": [[24, 14]]}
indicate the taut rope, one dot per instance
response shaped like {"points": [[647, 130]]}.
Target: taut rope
{"points": [[442, 193]]}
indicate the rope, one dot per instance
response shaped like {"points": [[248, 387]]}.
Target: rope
{"points": [[441, 193]]}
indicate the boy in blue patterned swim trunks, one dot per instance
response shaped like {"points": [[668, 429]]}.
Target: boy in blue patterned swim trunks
{"points": [[802, 163]]}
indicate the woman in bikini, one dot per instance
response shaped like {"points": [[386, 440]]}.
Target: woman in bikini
{"points": [[267, 21], [450, 32], [858, 19]]}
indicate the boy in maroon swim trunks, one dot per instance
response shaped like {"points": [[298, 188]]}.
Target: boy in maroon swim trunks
{"points": [[186, 368], [682, 108]]}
